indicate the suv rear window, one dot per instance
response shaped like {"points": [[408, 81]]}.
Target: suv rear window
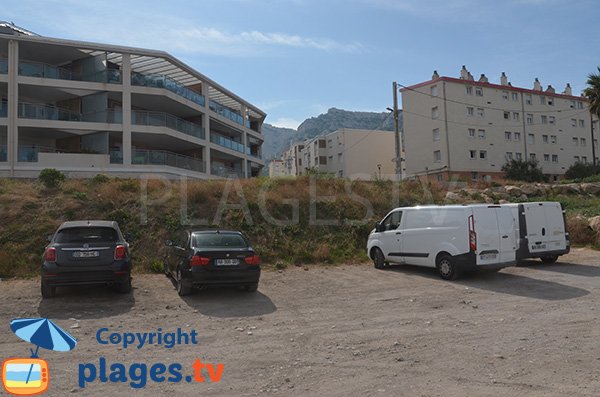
{"points": [[87, 235], [220, 240]]}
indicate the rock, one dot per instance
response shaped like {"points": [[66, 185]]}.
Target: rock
{"points": [[513, 190], [523, 197], [531, 190], [594, 223], [487, 199], [590, 188], [569, 188], [75, 326], [503, 202], [451, 196]]}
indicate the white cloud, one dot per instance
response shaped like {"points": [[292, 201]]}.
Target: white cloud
{"points": [[285, 122]]}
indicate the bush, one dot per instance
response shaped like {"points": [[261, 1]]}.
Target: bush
{"points": [[523, 170], [100, 178], [51, 177], [581, 170]]}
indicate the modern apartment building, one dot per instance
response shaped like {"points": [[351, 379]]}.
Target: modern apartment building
{"points": [[87, 108], [345, 153], [460, 127]]}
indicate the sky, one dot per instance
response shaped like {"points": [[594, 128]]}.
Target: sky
{"points": [[295, 59]]}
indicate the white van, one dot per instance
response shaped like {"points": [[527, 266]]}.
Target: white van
{"points": [[450, 238], [542, 230]]}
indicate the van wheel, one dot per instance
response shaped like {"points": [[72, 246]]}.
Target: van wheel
{"points": [[447, 268], [183, 287], [378, 259], [549, 258]]}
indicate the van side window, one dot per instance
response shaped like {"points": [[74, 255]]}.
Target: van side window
{"points": [[392, 221]]}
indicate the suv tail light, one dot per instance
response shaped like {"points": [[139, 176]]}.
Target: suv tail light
{"points": [[120, 252], [252, 260], [50, 254], [199, 261], [472, 235]]}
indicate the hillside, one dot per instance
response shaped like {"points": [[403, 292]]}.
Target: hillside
{"points": [[278, 139]]}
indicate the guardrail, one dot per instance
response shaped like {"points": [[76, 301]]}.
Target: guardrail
{"points": [[162, 157], [225, 112], [39, 69], [161, 119], [162, 81]]}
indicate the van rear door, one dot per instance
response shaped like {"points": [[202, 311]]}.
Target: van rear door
{"points": [[545, 227], [495, 231]]}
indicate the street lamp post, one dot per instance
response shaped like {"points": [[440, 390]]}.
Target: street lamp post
{"points": [[398, 158]]}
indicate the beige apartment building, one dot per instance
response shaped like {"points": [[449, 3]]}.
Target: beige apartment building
{"points": [[87, 108], [460, 127], [345, 153], [276, 168]]}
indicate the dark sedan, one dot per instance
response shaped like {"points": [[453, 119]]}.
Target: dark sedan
{"points": [[211, 258], [85, 253]]}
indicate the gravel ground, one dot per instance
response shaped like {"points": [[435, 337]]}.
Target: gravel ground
{"points": [[341, 331]]}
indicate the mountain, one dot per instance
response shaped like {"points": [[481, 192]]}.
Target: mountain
{"points": [[278, 139]]}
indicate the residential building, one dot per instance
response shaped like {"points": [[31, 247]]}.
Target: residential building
{"points": [[345, 153], [87, 108], [276, 168], [469, 129]]}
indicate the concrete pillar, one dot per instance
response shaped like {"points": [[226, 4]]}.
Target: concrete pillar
{"points": [[206, 126], [12, 138], [126, 109]]}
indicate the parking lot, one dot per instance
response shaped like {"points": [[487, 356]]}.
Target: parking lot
{"points": [[344, 330]]}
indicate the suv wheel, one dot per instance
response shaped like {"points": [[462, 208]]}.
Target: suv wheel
{"points": [[125, 287], [183, 287], [48, 291], [251, 287], [549, 258], [378, 259], [447, 268]]}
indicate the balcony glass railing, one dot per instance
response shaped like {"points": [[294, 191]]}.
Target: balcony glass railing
{"points": [[38, 69], [226, 172], [225, 112], [228, 143], [110, 116], [160, 119], [29, 154], [45, 112], [116, 156], [3, 109], [161, 157], [3, 153], [3, 66], [161, 81]]}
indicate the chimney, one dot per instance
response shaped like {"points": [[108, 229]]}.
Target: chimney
{"points": [[568, 90], [483, 79], [470, 76], [464, 73], [503, 79], [536, 85], [435, 75], [550, 89]]}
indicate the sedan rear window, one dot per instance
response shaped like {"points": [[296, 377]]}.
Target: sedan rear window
{"points": [[219, 240], [87, 235]]}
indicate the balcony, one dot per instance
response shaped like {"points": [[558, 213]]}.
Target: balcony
{"points": [[226, 172], [161, 81], [161, 157], [226, 112], [160, 119], [44, 112], [228, 143], [38, 69], [110, 116], [3, 66], [3, 153]]}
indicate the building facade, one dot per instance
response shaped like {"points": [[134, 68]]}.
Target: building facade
{"points": [[86, 108], [468, 129], [345, 153], [276, 168]]}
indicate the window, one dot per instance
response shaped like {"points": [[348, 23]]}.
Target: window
{"points": [[322, 144], [506, 115], [323, 160], [532, 156], [515, 96], [576, 159], [437, 156], [555, 158], [518, 156], [516, 116], [392, 221], [507, 135], [582, 141], [529, 118], [544, 119], [595, 143], [471, 132], [546, 157], [439, 177], [552, 138], [434, 90], [480, 112], [550, 102], [472, 154], [483, 154], [481, 134], [552, 120], [473, 175], [517, 136], [470, 111], [505, 95], [542, 100], [576, 141], [584, 159], [469, 90], [528, 99], [581, 123], [508, 156], [530, 139], [434, 112], [545, 138], [436, 134], [573, 105], [579, 105], [573, 123], [479, 91]]}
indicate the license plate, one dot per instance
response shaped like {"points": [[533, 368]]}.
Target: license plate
{"points": [[86, 254], [487, 257], [227, 262], [538, 247]]}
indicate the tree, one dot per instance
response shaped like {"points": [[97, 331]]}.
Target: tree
{"points": [[523, 170], [592, 93]]}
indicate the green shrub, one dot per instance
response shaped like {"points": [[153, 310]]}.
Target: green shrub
{"points": [[523, 170], [100, 178], [581, 170], [51, 177], [79, 195]]}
